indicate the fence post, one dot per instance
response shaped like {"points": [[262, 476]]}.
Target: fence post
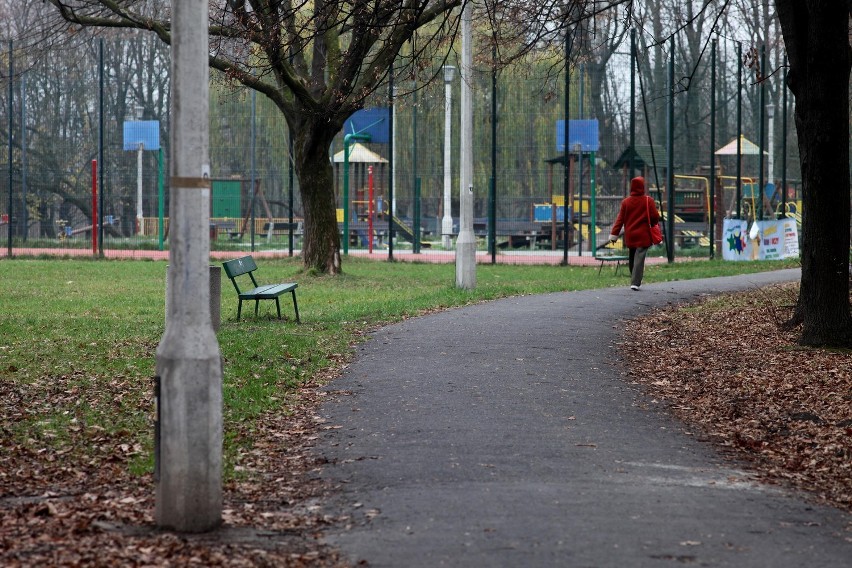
{"points": [[94, 207]]}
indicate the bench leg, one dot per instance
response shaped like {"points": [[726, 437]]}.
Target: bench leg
{"points": [[600, 268], [617, 264], [239, 309], [278, 307], [295, 306], [256, 305]]}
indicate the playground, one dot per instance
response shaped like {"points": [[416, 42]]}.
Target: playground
{"points": [[545, 190], [547, 416]]}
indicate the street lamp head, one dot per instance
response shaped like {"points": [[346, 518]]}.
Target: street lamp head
{"points": [[770, 111], [449, 73]]}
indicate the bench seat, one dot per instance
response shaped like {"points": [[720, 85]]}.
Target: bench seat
{"points": [[617, 259], [246, 266]]}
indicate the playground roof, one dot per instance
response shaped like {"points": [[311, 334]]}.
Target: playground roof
{"points": [[358, 153], [642, 157], [747, 147]]}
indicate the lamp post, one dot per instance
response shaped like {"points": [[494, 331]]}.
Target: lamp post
{"points": [[770, 115], [466, 242], [188, 429], [140, 219], [447, 221]]}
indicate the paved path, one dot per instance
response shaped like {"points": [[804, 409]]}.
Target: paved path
{"points": [[503, 434]]}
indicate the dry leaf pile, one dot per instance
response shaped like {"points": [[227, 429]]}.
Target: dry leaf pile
{"points": [[75, 503], [727, 367]]}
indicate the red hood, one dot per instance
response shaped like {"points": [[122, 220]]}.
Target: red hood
{"points": [[637, 187]]}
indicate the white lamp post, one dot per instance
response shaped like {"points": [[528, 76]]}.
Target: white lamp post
{"points": [[140, 219], [770, 115], [447, 221], [466, 242]]}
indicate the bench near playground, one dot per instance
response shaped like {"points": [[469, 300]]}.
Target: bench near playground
{"points": [[239, 268]]}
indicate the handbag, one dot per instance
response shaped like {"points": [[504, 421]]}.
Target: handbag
{"points": [[656, 232]]}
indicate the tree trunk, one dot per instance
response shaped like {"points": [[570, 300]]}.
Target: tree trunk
{"points": [[321, 249], [815, 34]]}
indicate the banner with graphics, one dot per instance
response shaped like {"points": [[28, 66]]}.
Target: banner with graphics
{"points": [[735, 242], [774, 240], [778, 239]]}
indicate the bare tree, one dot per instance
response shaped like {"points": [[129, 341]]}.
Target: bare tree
{"points": [[319, 61]]}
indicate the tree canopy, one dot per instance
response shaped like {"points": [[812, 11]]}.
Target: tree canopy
{"points": [[318, 62]]}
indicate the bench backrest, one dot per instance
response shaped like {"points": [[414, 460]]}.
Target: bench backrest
{"points": [[238, 267]]}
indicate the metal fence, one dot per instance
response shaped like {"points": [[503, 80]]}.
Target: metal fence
{"points": [[66, 117]]}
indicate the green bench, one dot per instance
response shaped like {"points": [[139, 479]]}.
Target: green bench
{"points": [[616, 258], [240, 267]]}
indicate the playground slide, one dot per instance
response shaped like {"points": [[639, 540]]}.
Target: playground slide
{"points": [[402, 229]]}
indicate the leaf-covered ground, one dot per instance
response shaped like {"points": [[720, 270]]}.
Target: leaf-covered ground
{"points": [[80, 505], [728, 369]]}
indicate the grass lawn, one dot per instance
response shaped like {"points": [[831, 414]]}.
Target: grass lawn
{"points": [[79, 337]]}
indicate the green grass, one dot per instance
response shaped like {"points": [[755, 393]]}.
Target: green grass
{"points": [[79, 336]]}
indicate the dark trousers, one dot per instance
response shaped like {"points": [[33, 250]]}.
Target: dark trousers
{"points": [[637, 265]]}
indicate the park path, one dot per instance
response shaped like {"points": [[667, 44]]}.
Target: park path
{"points": [[504, 434]]}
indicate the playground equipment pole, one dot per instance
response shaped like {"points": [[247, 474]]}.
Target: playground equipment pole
{"points": [[466, 241], [566, 204], [24, 230], [253, 165], [370, 210], [391, 167], [739, 129], [161, 200], [101, 143], [188, 431], [759, 213], [392, 162], [416, 224], [593, 238], [492, 189], [252, 133], [11, 109], [580, 159], [447, 220], [712, 147], [670, 213], [94, 207], [632, 102], [346, 140], [784, 145], [580, 179], [290, 184], [770, 166]]}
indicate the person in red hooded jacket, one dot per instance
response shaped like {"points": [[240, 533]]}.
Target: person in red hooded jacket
{"points": [[636, 215]]}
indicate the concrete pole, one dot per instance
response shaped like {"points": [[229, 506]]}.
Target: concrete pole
{"points": [[466, 242], [447, 220], [189, 366], [140, 221]]}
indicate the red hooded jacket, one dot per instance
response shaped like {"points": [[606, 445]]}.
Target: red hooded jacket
{"points": [[633, 216]]}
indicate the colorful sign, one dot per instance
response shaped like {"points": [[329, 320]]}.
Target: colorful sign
{"points": [[774, 240]]}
